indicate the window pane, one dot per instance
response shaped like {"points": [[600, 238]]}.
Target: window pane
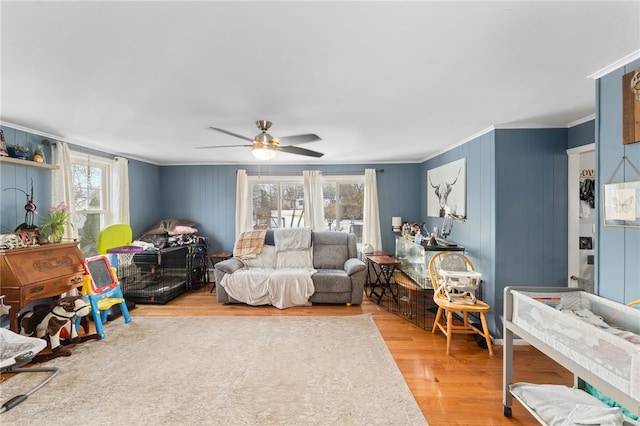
{"points": [[88, 226], [265, 204], [329, 194], [89, 175], [351, 198], [292, 213]]}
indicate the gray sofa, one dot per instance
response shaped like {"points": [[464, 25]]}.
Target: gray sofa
{"points": [[340, 276]]}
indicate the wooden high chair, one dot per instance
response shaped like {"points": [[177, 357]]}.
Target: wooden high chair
{"points": [[450, 300]]}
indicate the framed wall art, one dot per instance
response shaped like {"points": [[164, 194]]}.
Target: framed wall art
{"points": [[447, 189], [631, 107], [621, 203]]}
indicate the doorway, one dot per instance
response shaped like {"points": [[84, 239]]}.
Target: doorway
{"points": [[581, 211]]}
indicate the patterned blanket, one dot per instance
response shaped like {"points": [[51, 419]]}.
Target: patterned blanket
{"points": [[249, 244]]}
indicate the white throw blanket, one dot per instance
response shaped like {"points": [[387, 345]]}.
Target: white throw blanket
{"points": [[282, 287], [292, 239]]}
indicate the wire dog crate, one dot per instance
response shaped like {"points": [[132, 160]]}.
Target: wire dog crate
{"points": [[409, 301], [157, 276]]}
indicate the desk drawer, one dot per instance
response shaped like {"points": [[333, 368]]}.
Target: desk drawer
{"points": [[51, 287]]}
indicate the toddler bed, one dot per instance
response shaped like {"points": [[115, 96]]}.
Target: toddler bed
{"points": [[593, 337]]}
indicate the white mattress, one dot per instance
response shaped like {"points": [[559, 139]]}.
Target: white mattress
{"points": [[608, 352]]}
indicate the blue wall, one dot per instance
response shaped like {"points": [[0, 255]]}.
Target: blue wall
{"points": [[207, 195], [618, 252], [516, 227], [582, 134], [16, 176]]}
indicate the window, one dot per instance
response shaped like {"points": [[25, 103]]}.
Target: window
{"points": [[278, 202], [344, 205], [91, 177]]}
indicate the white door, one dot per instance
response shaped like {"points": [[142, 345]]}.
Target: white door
{"points": [[581, 208]]}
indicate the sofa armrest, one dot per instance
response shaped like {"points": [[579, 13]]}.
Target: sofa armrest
{"points": [[353, 266], [229, 266]]}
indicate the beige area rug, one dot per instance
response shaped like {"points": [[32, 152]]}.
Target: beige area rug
{"points": [[223, 371]]}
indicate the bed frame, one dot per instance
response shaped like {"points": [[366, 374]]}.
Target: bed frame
{"points": [[581, 374]]}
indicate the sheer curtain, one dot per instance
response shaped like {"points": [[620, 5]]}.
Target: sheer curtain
{"points": [[244, 203], [120, 191], [313, 200], [371, 234], [62, 185]]}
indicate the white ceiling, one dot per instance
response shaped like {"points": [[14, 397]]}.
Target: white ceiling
{"points": [[378, 81]]}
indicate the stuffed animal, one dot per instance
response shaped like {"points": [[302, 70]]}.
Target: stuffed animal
{"points": [[50, 320]]}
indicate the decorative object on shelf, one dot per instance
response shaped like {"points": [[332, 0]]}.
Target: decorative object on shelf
{"points": [[447, 189], [3, 145], [19, 151], [38, 156], [396, 223], [53, 226], [30, 209]]}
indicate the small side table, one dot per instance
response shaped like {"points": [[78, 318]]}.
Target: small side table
{"points": [[215, 257], [383, 267]]}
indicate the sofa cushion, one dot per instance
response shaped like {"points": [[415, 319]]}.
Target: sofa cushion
{"points": [[354, 265], [266, 259], [294, 259], [229, 266], [330, 250], [331, 281]]}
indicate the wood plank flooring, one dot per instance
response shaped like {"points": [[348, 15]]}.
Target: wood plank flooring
{"points": [[464, 388]]}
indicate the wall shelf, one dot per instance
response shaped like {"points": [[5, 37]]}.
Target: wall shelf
{"points": [[27, 163]]}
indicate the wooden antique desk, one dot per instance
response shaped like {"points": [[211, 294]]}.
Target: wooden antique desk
{"points": [[33, 273]]}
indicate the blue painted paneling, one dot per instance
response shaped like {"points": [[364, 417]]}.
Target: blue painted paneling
{"points": [[207, 195], [145, 195], [618, 248], [582, 134], [12, 212], [515, 233]]}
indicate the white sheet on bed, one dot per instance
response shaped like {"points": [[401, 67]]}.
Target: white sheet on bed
{"points": [[282, 288], [612, 356]]}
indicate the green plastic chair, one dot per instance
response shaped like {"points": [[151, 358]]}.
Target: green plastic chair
{"points": [[116, 235]]}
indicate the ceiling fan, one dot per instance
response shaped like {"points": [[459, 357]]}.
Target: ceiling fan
{"points": [[264, 146]]}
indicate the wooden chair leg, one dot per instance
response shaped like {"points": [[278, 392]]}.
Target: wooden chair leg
{"points": [[485, 329], [437, 320], [449, 330]]}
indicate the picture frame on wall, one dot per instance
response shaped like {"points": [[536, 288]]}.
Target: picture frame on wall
{"points": [[447, 189], [631, 107], [621, 204]]}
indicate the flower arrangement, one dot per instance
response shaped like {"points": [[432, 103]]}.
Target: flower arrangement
{"points": [[53, 226]]}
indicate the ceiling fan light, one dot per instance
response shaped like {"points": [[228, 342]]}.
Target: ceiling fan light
{"points": [[264, 153]]}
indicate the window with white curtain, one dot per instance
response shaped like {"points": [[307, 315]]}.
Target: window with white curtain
{"points": [[91, 176], [278, 202]]}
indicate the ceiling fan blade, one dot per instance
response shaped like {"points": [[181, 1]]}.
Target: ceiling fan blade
{"points": [[232, 134], [298, 139], [300, 151], [222, 146]]}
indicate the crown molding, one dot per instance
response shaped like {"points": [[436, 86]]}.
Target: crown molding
{"points": [[614, 66], [581, 121]]}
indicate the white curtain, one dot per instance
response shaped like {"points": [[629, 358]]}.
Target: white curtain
{"points": [[371, 234], [62, 185], [244, 203], [313, 200], [120, 191]]}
